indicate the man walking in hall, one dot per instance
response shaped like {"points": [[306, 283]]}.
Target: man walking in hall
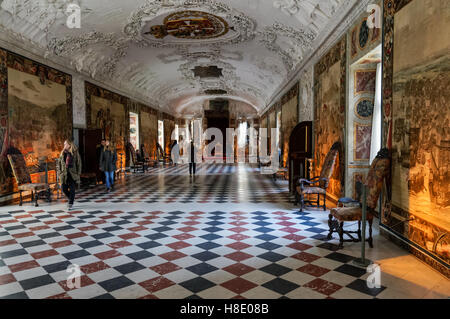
{"points": [[192, 164]]}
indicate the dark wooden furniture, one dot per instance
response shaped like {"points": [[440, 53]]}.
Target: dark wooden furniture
{"points": [[162, 157], [379, 172], [23, 179], [318, 185], [89, 147], [300, 150], [135, 162]]}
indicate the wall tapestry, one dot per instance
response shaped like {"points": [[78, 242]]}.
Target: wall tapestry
{"points": [[329, 112], [417, 122], [35, 115]]}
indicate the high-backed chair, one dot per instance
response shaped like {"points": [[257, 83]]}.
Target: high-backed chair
{"points": [[161, 155], [23, 179], [379, 172], [146, 157], [135, 163], [318, 185]]}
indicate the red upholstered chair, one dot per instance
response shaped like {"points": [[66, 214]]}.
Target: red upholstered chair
{"points": [[23, 179], [378, 173], [319, 184]]}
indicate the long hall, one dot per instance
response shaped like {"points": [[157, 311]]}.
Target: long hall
{"points": [[225, 149]]}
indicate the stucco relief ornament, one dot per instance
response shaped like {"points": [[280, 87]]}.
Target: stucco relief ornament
{"points": [[70, 46], [299, 41], [289, 7]]}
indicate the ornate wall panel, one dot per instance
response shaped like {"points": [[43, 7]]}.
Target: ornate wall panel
{"points": [[35, 114], [149, 129], [416, 125], [289, 119], [108, 111], [329, 111], [306, 108]]}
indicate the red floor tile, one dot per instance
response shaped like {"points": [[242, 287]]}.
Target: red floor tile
{"points": [[24, 266], [94, 267], [165, 268], [60, 244], [299, 246], [107, 254], [309, 258], [173, 255], [323, 286], [313, 270], [7, 279], [239, 285], [44, 254], [238, 269], [238, 256]]}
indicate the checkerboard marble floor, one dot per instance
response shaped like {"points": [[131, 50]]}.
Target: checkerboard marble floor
{"points": [[225, 234]]}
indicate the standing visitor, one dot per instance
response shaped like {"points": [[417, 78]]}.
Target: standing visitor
{"points": [[108, 159], [192, 164], [69, 170]]}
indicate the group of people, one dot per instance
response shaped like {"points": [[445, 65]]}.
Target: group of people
{"points": [[69, 168]]}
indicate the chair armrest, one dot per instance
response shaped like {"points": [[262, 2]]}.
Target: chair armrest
{"points": [[311, 181]]}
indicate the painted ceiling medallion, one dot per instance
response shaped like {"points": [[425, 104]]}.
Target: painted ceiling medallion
{"points": [[190, 25]]}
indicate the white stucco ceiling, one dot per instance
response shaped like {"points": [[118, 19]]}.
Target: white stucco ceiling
{"points": [[265, 45]]}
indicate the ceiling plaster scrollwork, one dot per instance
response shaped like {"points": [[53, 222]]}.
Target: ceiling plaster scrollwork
{"points": [[300, 40], [242, 25], [72, 45]]}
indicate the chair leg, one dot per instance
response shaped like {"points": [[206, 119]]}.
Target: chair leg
{"points": [[341, 235], [20, 194], [370, 233], [359, 230], [330, 226], [302, 202], [324, 202], [36, 196]]}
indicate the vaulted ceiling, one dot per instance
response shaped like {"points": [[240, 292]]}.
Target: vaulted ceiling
{"points": [[176, 54]]}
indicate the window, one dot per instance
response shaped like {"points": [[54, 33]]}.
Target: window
{"points": [[161, 133], [134, 130]]}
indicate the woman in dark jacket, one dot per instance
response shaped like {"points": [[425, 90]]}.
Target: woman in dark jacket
{"points": [[108, 159], [69, 170]]}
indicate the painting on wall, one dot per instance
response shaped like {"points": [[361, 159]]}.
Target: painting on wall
{"points": [[107, 111], [289, 119], [149, 130], [329, 112], [35, 115], [169, 126], [417, 121]]}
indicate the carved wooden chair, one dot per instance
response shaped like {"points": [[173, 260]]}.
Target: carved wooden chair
{"points": [[162, 157], [135, 163], [23, 179], [318, 185], [146, 157], [378, 173]]}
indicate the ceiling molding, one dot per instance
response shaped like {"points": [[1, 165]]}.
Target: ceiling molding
{"points": [[340, 30]]}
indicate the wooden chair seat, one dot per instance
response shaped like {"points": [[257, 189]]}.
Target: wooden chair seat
{"points": [[33, 187], [348, 214], [312, 190]]}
